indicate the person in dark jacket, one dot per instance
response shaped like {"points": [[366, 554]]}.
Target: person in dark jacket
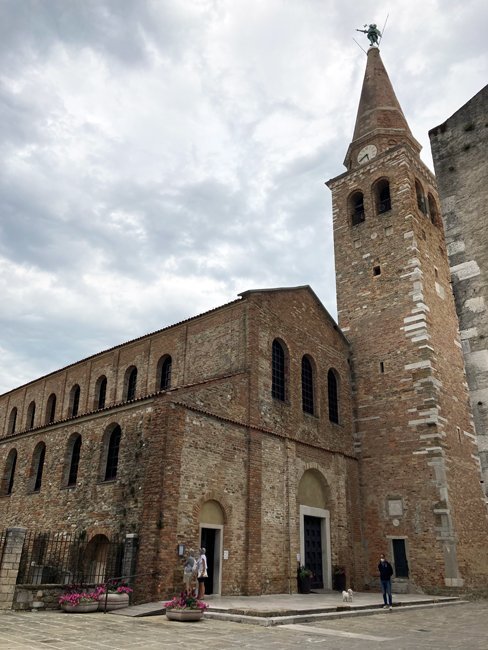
{"points": [[386, 571]]}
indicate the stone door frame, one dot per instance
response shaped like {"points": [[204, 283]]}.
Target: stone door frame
{"points": [[324, 516]]}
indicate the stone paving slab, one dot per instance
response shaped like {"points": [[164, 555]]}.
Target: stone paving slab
{"points": [[286, 609], [146, 609], [313, 616], [297, 602], [432, 628], [287, 605]]}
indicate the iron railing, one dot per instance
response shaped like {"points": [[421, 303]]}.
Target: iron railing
{"points": [[384, 205], [121, 580], [66, 558], [358, 216]]}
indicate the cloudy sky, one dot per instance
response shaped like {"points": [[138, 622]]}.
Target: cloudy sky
{"points": [[157, 157]]}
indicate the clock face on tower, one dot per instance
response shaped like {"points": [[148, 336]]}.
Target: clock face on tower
{"points": [[367, 153]]}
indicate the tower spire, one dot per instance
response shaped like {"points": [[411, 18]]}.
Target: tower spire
{"points": [[396, 307], [380, 117]]}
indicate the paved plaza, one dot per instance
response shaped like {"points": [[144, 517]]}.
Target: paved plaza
{"points": [[448, 626]]}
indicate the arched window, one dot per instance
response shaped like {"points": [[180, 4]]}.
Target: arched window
{"points": [[12, 421], [307, 386], [164, 372], [433, 211], [31, 414], [51, 409], [420, 197], [333, 393], [101, 392], [38, 466], [74, 451], [74, 401], [112, 446], [356, 208], [130, 383], [9, 473], [382, 196], [278, 371]]}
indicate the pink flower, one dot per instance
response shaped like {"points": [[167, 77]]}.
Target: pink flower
{"points": [[185, 601], [75, 598]]}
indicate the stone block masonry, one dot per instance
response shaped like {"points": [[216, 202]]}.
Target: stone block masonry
{"points": [[460, 153], [10, 555]]}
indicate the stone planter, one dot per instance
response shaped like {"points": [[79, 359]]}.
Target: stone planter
{"points": [[184, 615], [81, 608], [114, 601]]}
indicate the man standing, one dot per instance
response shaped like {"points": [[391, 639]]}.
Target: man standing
{"points": [[386, 571]]}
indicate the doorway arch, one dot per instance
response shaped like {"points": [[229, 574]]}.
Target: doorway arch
{"points": [[313, 500], [211, 538]]}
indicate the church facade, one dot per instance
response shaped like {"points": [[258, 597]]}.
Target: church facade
{"points": [[267, 433], [231, 429]]}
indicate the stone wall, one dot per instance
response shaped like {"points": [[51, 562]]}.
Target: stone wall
{"points": [[459, 149], [10, 554]]}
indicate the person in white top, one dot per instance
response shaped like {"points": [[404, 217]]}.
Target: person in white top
{"points": [[201, 573]]}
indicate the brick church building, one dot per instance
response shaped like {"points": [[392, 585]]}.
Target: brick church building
{"points": [[270, 434]]}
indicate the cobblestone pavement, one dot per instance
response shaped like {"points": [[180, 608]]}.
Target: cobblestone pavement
{"points": [[448, 627]]}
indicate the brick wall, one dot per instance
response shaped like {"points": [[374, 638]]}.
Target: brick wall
{"points": [[216, 435], [413, 421]]}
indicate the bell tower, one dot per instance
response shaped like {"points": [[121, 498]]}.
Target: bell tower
{"points": [[420, 482]]}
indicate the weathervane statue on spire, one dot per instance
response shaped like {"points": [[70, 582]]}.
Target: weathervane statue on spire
{"points": [[373, 34]]}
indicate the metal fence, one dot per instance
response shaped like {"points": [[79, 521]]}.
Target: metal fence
{"points": [[66, 558]]}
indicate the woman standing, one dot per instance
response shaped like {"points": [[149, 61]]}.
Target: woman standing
{"points": [[202, 573], [189, 571]]}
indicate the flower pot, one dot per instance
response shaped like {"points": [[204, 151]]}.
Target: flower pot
{"points": [[184, 614], [81, 608], [114, 601], [304, 584]]}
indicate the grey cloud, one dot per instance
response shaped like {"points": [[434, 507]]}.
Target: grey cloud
{"points": [[112, 227], [32, 28]]}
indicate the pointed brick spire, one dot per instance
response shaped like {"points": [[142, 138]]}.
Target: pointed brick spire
{"points": [[378, 107], [380, 117]]}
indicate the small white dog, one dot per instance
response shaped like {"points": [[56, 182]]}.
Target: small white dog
{"points": [[347, 596]]}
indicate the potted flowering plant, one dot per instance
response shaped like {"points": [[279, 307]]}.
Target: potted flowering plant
{"points": [[113, 595], [304, 580], [77, 601], [185, 607]]}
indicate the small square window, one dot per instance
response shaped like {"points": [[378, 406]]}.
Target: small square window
{"points": [[395, 507]]}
